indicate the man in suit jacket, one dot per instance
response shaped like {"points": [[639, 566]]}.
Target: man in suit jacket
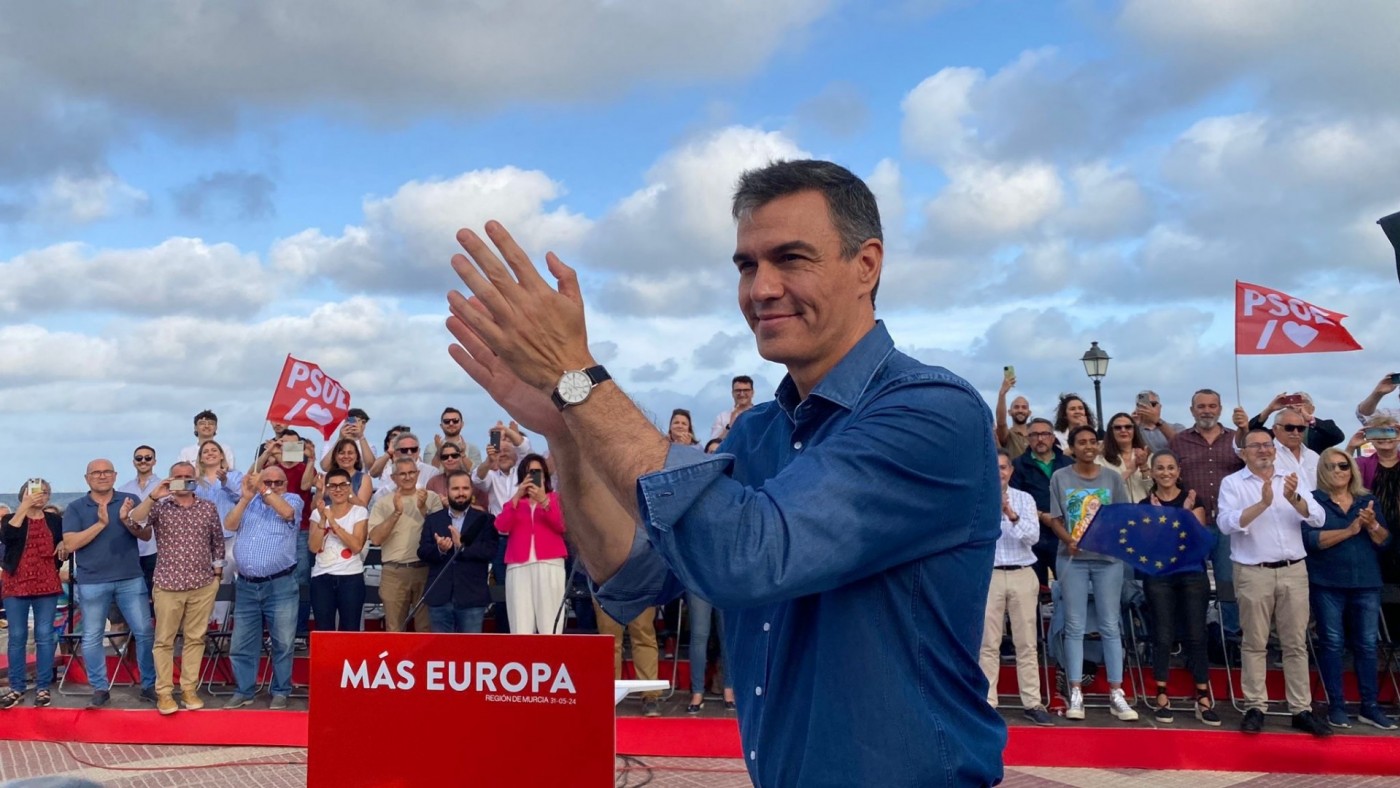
{"points": [[459, 541]]}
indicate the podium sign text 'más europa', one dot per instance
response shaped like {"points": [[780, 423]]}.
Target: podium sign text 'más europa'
{"points": [[421, 710]]}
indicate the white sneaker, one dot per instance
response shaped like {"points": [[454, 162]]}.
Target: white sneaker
{"points": [[1076, 704], [1118, 704]]}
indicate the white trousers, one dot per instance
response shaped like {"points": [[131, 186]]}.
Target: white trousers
{"points": [[533, 595]]}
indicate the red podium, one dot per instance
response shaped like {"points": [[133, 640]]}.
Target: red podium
{"points": [[412, 710]]}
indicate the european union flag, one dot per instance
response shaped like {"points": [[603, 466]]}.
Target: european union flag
{"points": [[1155, 540]]}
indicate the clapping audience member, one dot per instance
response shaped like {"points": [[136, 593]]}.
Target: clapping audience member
{"points": [[222, 486], [345, 456], [1072, 413], [1030, 473], [144, 460], [206, 428], [405, 446], [741, 388], [681, 430], [99, 531], [186, 580], [297, 459], [265, 519], [33, 549], [1179, 596], [1344, 580], [1263, 511], [1290, 455], [338, 534], [451, 422], [451, 460], [458, 544], [1077, 493], [1125, 451], [533, 525], [382, 461], [395, 525], [1015, 591]]}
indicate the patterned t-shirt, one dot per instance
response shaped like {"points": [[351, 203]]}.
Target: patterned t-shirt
{"points": [[1077, 499], [191, 538]]}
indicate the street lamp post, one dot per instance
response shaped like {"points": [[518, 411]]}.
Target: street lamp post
{"points": [[1096, 367]]}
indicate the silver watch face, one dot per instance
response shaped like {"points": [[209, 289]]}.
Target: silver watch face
{"points": [[574, 387]]}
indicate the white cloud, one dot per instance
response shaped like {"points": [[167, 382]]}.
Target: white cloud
{"points": [[985, 205], [68, 199]]}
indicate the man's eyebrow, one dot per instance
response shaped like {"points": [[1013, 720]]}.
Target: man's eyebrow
{"points": [[783, 248]]}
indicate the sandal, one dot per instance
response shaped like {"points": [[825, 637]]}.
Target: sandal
{"points": [[1162, 712], [694, 708], [42, 698], [10, 699], [1205, 709]]}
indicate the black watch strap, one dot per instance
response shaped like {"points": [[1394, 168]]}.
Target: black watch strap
{"points": [[597, 375]]}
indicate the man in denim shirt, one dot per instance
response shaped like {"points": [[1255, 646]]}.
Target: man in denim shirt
{"points": [[846, 529]]}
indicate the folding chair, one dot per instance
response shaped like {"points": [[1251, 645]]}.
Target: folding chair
{"points": [[1132, 665], [1388, 654], [217, 646]]}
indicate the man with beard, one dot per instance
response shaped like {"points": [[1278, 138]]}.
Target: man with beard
{"points": [[1206, 453], [458, 544], [451, 421], [1013, 439]]}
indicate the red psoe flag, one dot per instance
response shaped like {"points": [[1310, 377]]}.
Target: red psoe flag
{"points": [[1268, 322], [307, 397]]}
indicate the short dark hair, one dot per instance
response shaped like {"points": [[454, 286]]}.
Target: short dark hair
{"points": [[450, 475], [1074, 433], [358, 413], [850, 204], [450, 409], [1004, 453], [150, 449], [741, 379], [1041, 420], [521, 472], [337, 473], [712, 442], [205, 414], [388, 435]]}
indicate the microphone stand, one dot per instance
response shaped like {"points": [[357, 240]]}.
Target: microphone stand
{"points": [[446, 570], [568, 594]]}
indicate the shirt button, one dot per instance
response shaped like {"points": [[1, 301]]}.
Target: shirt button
{"points": [[767, 626], [753, 755], [758, 690], [797, 445]]}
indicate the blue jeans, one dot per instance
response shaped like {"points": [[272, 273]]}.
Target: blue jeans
{"points": [[1355, 613], [447, 618], [701, 612], [94, 599], [339, 602], [273, 603], [1105, 579], [303, 576], [17, 610]]}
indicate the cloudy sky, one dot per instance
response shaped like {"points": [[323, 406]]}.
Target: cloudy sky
{"points": [[190, 191]]}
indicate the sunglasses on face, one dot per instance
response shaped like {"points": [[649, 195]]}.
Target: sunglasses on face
{"points": [[1124, 427], [451, 421], [450, 456], [1293, 427], [1339, 466], [275, 483], [144, 458], [408, 450]]}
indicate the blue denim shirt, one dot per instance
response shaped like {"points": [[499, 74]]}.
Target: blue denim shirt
{"points": [[1351, 563], [848, 540]]}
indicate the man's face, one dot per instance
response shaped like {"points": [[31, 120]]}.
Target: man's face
{"points": [[275, 480], [1205, 409], [183, 472], [505, 457], [1289, 428], [204, 429], [1004, 470], [1259, 452], [801, 299], [406, 476], [1153, 404], [143, 460], [742, 393], [451, 424], [1042, 439], [101, 476], [407, 448], [1020, 410], [1086, 447], [459, 493]]}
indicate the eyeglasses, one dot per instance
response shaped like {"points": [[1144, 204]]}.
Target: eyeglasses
{"points": [[278, 483], [450, 456], [144, 458], [408, 449], [1124, 427], [1259, 446], [338, 486], [1042, 434], [451, 421], [743, 391], [206, 423], [406, 474], [1339, 466], [1293, 427], [102, 473]]}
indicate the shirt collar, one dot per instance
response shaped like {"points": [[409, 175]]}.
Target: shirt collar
{"points": [[846, 381]]}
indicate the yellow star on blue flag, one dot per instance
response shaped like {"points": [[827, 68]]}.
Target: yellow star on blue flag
{"points": [[1153, 539]]}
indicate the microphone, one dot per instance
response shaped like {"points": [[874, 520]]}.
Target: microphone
{"points": [[467, 539]]}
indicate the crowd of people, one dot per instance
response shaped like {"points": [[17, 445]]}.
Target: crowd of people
{"points": [[294, 536], [1300, 512]]}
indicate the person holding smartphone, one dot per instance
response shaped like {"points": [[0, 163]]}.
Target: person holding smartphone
{"points": [[34, 551], [1370, 406], [353, 429], [533, 525], [1320, 434]]}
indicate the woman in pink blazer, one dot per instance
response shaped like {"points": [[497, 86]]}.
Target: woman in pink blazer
{"points": [[534, 526]]}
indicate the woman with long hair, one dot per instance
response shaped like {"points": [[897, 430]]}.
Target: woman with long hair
{"points": [[1182, 596], [533, 524], [338, 534], [346, 457], [34, 551], [221, 485], [1125, 451], [1344, 582], [1069, 414], [681, 428]]}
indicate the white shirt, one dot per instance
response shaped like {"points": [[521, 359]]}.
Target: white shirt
{"points": [[144, 547], [1285, 462], [1276, 534], [1014, 544], [190, 454], [499, 486], [331, 560]]}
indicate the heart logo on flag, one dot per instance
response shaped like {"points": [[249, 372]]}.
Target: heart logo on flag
{"points": [[1301, 335], [323, 417]]}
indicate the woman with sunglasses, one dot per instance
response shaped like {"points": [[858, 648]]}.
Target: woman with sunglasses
{"points": [[1344, 581], [450, 459], [338, 534], [33, 541], [1125, 451]]}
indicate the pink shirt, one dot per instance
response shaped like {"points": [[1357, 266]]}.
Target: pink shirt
{"points": [[520, 521]]}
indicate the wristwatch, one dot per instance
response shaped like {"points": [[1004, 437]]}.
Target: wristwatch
{"points": [[575, 385]]}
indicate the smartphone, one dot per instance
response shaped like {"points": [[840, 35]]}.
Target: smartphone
{"points": [[1008, 372], [36, 487], [293, 451], [181, 485], [1144, 399], [352, 420], [496, 439], [1395, 378], [537, 479], [1381, 433], [1291, 399]]}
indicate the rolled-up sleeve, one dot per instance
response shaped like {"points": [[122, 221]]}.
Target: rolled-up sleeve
{"points": [[1232, 504]]}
